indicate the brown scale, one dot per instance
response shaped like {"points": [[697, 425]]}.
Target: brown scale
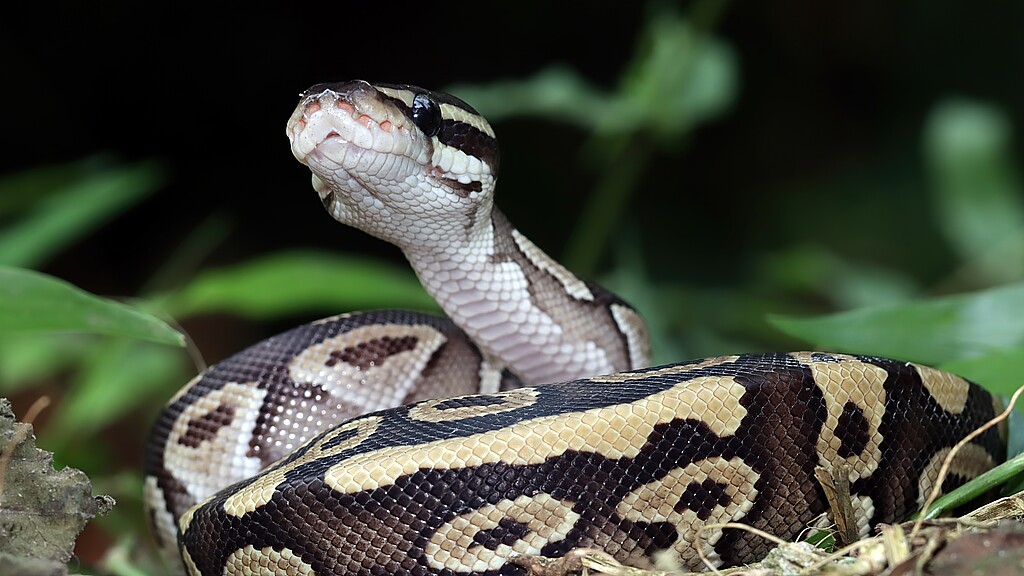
{"points": [[264, 369], [447, 518], [373, 352], [587, 319]]}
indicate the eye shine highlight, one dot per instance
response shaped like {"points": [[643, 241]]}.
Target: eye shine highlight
{"points": [[426, 113]]}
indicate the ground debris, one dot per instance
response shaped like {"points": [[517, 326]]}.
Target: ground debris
{"points": [[42, 511], [989, 540]]}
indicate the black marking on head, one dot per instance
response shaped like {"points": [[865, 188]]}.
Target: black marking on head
{"points": [[469, 139], [439, 97]]}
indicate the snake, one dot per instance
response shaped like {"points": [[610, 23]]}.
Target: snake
{"points": [[528, 420]]}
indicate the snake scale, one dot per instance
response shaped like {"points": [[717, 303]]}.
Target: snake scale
{"points": [[399, 443]]}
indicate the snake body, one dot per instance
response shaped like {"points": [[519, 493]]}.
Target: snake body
{"points": [[359, 444]]}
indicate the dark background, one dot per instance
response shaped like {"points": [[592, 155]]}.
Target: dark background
{"points": [[829, 92], [822, 145]]}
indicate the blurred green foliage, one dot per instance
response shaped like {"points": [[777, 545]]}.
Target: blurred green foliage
{"points": [[111, 359]]}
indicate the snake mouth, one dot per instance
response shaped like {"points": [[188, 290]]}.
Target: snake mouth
{"points": [[350, 127]]}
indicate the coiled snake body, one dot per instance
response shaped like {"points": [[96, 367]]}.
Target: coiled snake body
{"points": [[291, 458]]}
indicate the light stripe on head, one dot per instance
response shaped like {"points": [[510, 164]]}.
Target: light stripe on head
{"points": [[461, 126]]}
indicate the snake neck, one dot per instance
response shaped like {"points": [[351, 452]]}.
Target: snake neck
{"points": [[527, 310]]}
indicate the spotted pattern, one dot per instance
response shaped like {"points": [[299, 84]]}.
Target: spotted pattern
{"points": [[337, 441], [971, 461], [266, 561], [572, 285], [635, 465], [257, 406], [455, 409], [949, 390], [634, 329], [853, 414], [707, 492], [481, 540]]}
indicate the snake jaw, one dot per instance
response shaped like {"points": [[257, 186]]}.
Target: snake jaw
{"points": [[375, 169], [337, 122]]}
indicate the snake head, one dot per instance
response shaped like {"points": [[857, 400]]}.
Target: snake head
{"points": [[395, 160]]}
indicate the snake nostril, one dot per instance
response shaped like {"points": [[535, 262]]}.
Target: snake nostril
{"points": [[312, 107]]}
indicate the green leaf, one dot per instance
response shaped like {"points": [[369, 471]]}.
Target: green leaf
{"points": [[27, 358], [21, 191], [98, 397], [558, 93], [679, 77], [1001, 371], [990, 480], [295, 282], [847, 284], [928, 331], [73, 210], [32, 302], [978, 193]]}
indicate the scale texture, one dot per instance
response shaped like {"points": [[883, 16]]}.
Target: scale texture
{"points": [[630, 463]]}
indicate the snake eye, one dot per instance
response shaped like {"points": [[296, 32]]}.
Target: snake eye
{"points": [[426, 114]]}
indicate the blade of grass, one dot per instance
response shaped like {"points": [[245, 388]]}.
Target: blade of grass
{"points": [[928, 331], [295, 282], [70, 212], [32, 302], [990, 480]]}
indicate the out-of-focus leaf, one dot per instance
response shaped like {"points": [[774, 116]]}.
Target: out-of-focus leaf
{"points": [[557, 92], [27, 358], [678, 78], [189, 254], [928, 331], [69, 212], [978, 192], [987, 482], [1001, 371], [21, 191], [116, 378], [32, 302], [846, 284], [1015, 442], [294, 282]]}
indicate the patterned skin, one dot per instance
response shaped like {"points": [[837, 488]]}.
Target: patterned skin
{"points": [[631, 462]]}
